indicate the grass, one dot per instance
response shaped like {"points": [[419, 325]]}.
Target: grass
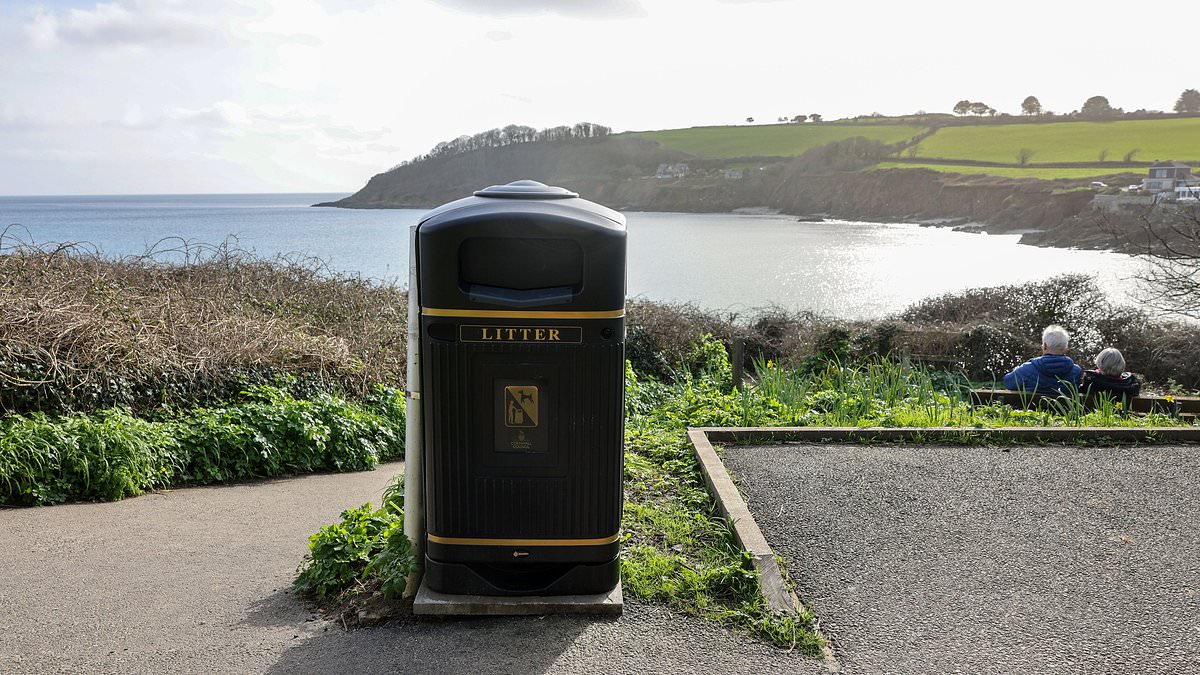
{"points": [[1177, 139], [677, 550], [883, 393], [772, 140], [1012, 171]]}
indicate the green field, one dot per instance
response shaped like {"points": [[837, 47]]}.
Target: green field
{"points": [[1177, 139], [1013, 171], [774, 140]]}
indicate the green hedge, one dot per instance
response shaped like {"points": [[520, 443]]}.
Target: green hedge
{"points": [[34, 384], [112, 454]]}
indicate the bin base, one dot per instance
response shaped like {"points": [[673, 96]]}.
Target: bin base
{"points": [[522, 580], [432, 603]]}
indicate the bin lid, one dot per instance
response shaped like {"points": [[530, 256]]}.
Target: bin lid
{"points": [[526, 189]]}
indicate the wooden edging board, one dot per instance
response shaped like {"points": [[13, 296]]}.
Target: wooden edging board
{"points": [[935, 434], [774, 589]]}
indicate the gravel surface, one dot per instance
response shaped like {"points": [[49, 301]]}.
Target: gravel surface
{"points": [[197, 580], [985, 560]]}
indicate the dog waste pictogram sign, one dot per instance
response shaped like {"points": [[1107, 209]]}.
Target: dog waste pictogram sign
{"points": [[521, 406]]}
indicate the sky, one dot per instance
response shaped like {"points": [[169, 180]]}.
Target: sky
{"points": [[196, 96]]}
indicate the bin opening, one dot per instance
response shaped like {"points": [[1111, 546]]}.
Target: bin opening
{"points": [[520, 272]]}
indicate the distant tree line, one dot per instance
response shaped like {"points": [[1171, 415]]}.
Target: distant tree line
{"points": [[973, 107], [1096, 107], [795, 119], [510, 135]]}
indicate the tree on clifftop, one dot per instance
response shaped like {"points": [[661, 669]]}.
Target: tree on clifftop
{"points": [[800, 119], [816, 118], [962, 107], [1189, 101], [1098, 106], [1031, 106], [980, 108]]}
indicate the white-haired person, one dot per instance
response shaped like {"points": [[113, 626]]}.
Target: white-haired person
{"points": [[1052, 373], [1110, 377]]}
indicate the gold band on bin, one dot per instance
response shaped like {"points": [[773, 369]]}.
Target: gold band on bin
{"points": [[476, 541], [510, 314]]}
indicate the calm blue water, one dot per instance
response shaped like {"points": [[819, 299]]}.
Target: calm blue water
{"points": [[719, 261]]}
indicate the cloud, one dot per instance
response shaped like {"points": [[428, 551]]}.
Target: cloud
{"points": [[134, 119], [13, 118], [515, 97], [498, 35], [221, 115], [120, 24], [575, 9], [227, 118]]}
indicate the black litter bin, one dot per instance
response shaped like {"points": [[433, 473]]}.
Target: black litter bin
{"points": [[522, 294]]}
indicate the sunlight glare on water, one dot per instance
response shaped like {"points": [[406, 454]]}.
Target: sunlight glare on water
{"points": [[838, 268]]}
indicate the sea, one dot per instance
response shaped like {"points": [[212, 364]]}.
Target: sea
{"points": [[730, 263]]}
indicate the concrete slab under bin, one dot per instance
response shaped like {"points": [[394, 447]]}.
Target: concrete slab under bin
{"points": [[432, 603]]}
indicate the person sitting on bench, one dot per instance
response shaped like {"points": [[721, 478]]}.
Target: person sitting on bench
{"points": [[1052, 373], [1110, 377]]}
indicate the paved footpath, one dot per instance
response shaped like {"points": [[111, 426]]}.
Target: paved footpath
{"points": [[981, 560], [197, 580]]}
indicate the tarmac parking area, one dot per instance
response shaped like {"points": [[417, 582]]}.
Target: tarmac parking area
{"points": [[988, 560]]}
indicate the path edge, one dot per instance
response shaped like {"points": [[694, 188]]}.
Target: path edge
{"points": [[772, 587]]}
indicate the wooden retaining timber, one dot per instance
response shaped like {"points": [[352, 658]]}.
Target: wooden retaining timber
{"points": [[1183, 406]]}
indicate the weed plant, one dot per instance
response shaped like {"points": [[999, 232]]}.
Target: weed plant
{"points": [[366, 545]]}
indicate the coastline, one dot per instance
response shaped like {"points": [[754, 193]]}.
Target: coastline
{"points": [[1030, 236]]}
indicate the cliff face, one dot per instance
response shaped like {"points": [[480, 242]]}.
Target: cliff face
{"points": [[619, 172], [570, 163], [1004, 205]]}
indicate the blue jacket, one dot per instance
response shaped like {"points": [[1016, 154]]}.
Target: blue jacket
{"points": [[1051, 374]]}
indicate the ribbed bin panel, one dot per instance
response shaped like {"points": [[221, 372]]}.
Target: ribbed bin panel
{"points": [[569, 489]]}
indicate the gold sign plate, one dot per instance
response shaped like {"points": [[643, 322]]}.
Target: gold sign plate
{"points": [[521, 406], [537, 334]]}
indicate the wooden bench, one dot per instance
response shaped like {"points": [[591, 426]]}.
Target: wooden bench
{"points": [[1187, 407]]}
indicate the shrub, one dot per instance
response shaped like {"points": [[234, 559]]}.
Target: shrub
{"points": [[185, 325], [660, 335], [106, 456], [366, 544], [111, 454], [339, 553]]}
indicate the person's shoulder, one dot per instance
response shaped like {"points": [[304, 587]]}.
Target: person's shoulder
{"points": [[1031, 363]]}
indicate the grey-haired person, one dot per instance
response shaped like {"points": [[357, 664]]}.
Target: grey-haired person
{"points": [[1109, 377], [1053, 373]]}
